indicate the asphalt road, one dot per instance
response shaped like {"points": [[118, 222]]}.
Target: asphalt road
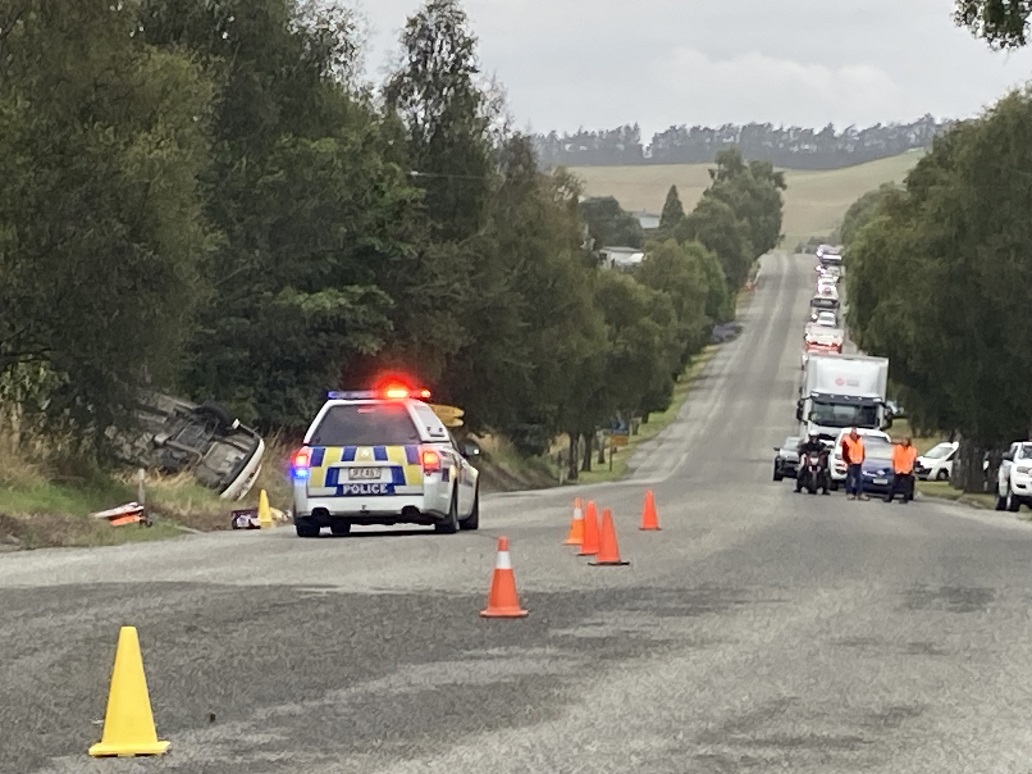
{"points": [[760, 630]]}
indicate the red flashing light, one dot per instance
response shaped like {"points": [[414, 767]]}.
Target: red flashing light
{"points": [[431, 461], [302, 459], [397, 389]]}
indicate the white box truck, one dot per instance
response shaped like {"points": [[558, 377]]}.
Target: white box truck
{"points": [[841, 391]]}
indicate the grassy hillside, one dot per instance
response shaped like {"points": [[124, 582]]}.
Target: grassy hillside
{"points": [[815, 200]]}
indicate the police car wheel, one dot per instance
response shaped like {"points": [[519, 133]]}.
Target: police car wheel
{"points": [[473, 520], [306, 529], [451, 523], [340, 529]]}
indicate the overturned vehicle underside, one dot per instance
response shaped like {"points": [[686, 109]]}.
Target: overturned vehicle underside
{"points": [[172, 436]]}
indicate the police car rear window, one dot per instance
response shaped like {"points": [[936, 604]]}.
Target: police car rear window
{"points": [[371, 424]]}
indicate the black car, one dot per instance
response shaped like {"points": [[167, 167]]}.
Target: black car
{"points": [[786, 459]]}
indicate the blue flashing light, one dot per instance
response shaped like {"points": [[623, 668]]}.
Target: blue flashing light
{"points": [[300, 473], [351, 394]]}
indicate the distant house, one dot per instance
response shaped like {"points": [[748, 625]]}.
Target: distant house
{"points": [[621, 257], [647, 219]]}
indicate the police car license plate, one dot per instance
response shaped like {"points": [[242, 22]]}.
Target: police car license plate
{"points": [[363, 474], [881, 481]]}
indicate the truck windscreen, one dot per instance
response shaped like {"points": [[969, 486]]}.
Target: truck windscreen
{"points": [[831, 414]]}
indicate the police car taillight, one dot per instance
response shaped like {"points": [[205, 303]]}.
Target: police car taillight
{"points": [[431, 461], [300, 464]]}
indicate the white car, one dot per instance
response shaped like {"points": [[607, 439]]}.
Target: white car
{"points": [[1014, 479], [936, 464], [383, 457], [827, 319], [838, 466]]}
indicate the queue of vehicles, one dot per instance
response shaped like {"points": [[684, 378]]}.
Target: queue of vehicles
{"points": [[837, 392]]}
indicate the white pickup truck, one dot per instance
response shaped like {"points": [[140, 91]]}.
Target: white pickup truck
{"points": [[1014, 479]]}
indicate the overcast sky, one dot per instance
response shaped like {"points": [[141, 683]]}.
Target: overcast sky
{"points": [[604, 63]]}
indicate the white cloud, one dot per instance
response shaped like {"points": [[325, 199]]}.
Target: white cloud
{"points": [[567, 63], [755, 87]]}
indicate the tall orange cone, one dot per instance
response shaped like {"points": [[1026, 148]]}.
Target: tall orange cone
{"points": [[502, 600], [608, 550], [589, 546], [576, 534], [649, 518], [129, 723]]}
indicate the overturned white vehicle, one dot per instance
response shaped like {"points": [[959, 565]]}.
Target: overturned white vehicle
{"points": [[176, 436]]}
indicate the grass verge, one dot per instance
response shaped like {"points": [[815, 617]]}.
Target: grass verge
{"points": [[941, 490], [503, 469], [648, 430], [37, 511], [901, 429]]}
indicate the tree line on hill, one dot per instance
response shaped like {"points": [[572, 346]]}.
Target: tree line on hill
{"points": [[790, 147], [210, 200], [940, 271]]}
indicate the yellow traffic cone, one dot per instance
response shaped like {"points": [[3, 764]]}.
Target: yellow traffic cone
{"points": [[129, 724], [265, 520]]}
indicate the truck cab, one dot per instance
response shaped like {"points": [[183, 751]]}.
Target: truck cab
{"points": [[841, 391]]}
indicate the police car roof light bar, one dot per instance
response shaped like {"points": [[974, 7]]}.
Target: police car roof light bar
{"points": [[393, 392], [351, 394]]}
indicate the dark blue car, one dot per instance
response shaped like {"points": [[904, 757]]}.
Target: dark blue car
{"points": [[877, 466]]}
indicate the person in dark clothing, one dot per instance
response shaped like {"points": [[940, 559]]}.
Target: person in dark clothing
{"points": [[812, 445]]}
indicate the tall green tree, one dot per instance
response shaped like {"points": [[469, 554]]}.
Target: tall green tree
{"points": [[715, 225], [102, 141], [753, 192], [610, 225], [318, 230], [448, 117], [679, 271], [862, 211], [1001, 23], [673, 210], [643, 345], [958, 339]]}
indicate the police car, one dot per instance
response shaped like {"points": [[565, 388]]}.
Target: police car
{"points": [[383, 457]]}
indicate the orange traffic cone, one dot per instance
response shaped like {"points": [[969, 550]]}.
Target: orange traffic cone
{"points": [[649, 519], [589, 546], [608, 550], [502, 600], [576, 535]]}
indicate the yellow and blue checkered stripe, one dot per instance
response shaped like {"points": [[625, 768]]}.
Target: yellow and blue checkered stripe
{"points": [[327, 462]]}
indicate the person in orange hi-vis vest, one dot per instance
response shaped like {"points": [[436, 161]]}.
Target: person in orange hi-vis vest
{"points": [[853, 453], [903, 457]]}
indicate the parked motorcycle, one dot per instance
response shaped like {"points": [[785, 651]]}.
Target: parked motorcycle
{"points": [[813, 474]]}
